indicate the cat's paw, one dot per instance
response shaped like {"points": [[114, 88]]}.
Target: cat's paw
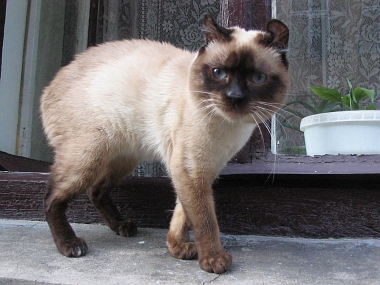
{"points": [[73, 247], [219, 262], [127, 228], [186, 250]]}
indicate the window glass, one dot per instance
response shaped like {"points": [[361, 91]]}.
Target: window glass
{"points": [[329, 42]]}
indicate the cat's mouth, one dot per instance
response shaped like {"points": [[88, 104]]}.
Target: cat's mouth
{"points": [[248, 112], [234, 111]]}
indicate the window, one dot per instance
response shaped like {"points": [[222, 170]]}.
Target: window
{"points": [[36, 44], [329, 42]]}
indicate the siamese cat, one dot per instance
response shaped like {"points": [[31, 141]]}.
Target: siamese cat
{"points": [[128, 101]]}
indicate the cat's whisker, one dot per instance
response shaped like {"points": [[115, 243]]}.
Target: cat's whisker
{"points": [[269, 113], [206, 100], [204, 92], [279, 109], [282, 114], [222, 122], [210, 114], [282, 127], [273, 171], [275, 106], [262, 119], [204, 108], [257, 123]]}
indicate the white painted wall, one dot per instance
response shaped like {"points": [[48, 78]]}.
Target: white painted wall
{"points": [[11, 73], [32, 54], [43, 57]]}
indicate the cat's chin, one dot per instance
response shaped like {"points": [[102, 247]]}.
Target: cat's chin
{"points": [[233, 116]]}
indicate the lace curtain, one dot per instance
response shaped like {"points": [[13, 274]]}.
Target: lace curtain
{"points": [[329, 41], [177, 22]]}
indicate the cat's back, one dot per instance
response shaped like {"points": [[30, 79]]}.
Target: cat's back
{"points": [[107, 82], [110, 67], [127, 52]]}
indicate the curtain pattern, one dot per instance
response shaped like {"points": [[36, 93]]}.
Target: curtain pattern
{"points": [[329, 42], [176, 22]]}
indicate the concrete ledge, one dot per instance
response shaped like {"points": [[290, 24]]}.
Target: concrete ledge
{"points": [[28, 256]]}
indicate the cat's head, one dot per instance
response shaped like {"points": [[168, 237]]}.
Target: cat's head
{"points": [[241, 75]]}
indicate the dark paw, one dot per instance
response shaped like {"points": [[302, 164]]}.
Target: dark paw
{"points": [[127, 228], [74, 247], [216, 263], [186, 250]]}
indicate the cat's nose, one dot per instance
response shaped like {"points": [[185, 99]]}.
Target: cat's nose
{"points": [[235, 92]]}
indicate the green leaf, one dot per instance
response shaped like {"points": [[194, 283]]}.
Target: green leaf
{"points": [[361, 93], [327, 93], [349, 84], [285, 123], [294, 113], [304, 104], [351, 93], [370, 107], [346, 100], [321, 106], [312, 98], [331, 107]]}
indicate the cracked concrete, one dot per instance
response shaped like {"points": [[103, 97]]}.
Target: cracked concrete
{"points": [[28, 256]]}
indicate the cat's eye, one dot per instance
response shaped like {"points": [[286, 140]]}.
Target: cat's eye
{"points": [[219, 73], [259, 78]]}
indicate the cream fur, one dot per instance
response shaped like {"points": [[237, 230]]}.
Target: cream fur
{"points": [[128, 101]]}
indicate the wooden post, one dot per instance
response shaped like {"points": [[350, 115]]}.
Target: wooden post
{"points": [[248, 14]]}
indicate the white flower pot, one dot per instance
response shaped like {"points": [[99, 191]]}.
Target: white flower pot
{"points": [[346, 132]]}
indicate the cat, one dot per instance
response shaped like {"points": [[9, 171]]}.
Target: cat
{"points": [[128, 101]]}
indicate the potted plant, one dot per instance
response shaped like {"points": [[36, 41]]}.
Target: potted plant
{"points": [[352, 128], [289, 118]]}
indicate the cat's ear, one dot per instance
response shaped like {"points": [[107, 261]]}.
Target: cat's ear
{"points": [[214, 32], [279, 35]]}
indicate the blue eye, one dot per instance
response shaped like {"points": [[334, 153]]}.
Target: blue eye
{"points": [[219, 73], [259, 78]]}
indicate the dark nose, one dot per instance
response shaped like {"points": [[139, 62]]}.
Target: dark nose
{"points": [[235, 92]]}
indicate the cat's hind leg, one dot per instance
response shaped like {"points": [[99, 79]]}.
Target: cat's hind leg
{"points": [[99, 195], [62, 188], [178, 236], [76, 170]]}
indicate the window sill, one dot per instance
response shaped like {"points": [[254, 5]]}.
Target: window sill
{"points": [[307, 165], [294, 202], [268, 164]]}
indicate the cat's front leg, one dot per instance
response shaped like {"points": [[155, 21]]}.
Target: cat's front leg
{"points": [[195, 194], [178, 241]]}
